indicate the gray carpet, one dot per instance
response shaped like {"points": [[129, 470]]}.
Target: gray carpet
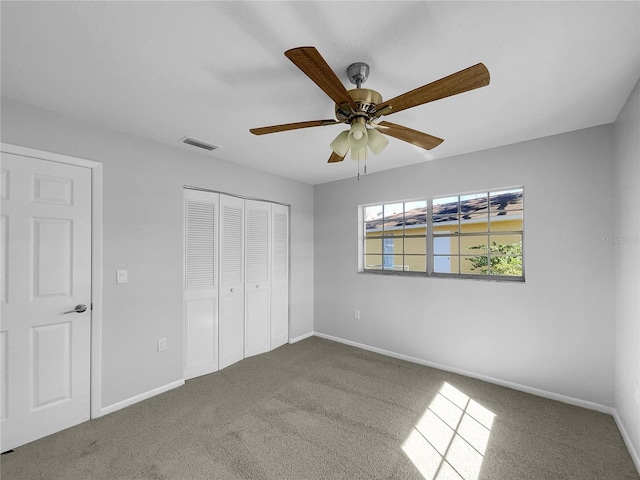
{"points": [[322, 410]]}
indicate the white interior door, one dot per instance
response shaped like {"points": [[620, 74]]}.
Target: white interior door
{"points": [[201, 282], [280, 276], [231, 331], [258, 278], [46, 273]]}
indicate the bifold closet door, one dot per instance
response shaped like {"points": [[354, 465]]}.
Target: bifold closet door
{"points": [[201, 282], [231, 320], [279, 276], [258, 278]]}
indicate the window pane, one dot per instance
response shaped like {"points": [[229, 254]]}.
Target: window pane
{"points": [[373, 233], [446, 245], [394, 263], [415, 246], [474, 244], [506, 265], [373, 228], [373, 245], [415, 217], [475, 203], [445, 205], [373, 218], [392, 209], [506, 221], [474, 265], [392, 245], [445, 224], [415, 205], [445, 264], [415, 263], [506, 200], [373, 262], [474, 222], [506, 244], [393, 218]]}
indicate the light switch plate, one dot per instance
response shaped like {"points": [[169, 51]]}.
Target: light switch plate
{"points": [[121, 276]]}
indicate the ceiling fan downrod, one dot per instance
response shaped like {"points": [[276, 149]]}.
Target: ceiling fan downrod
{"points": [[358, 73]]}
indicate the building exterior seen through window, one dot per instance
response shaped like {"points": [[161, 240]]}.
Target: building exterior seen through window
{"points": [[475, 235]]}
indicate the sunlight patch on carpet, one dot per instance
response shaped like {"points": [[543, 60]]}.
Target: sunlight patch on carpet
{"points": [[449, 441]]}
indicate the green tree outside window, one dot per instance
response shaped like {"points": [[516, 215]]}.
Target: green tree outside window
{"points": [[505, 259]]}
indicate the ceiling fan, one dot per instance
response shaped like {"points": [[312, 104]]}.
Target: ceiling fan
{"points": [[362, 108]]}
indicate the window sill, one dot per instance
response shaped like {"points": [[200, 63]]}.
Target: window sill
{"points": [[490, 278]]}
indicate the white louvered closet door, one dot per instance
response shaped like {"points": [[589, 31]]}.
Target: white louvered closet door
{"points": [[280, 276], [201, 282], [258, 277], [231, 327]]}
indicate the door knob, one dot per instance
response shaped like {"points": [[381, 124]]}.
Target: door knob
{"points": [[81, 307]]}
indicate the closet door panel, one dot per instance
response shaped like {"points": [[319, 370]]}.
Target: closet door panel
{"points": [[231, 331], [201, 283], [258, 278], [280, 276]]}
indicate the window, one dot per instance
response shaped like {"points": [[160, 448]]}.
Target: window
{"points": [[395, 237], [471, 235]]}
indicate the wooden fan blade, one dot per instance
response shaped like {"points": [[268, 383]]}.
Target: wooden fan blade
{"points": [[292, 126], [468, 79], [309, 60], [335, 158], [414, 137]]}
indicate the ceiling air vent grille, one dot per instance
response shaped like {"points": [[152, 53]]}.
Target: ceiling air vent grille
{"points": [[199, 143]]}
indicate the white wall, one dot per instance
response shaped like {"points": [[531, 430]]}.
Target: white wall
{"points": [[143, 233], [554, 332], [626, 246]]}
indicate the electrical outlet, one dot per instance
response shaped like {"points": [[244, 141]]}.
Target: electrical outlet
{"points": [[356, 314], [162, 344]]}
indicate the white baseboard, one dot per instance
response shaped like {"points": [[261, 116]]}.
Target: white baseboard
{"points": [[302, 337], [504, 383], [627, 440], [138, 398], [515, 386]]}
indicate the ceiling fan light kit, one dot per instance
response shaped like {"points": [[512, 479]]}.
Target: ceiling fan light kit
{"points": [[341, 143], [377, 141], [363, 108], [358, 136]]}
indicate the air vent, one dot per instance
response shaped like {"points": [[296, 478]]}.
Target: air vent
{"points": [[199, 143]]}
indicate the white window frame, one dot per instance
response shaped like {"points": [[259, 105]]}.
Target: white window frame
{"points": [[430, 238]]}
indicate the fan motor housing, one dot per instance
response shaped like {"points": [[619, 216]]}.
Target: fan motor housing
{"points": [[365, 99]]}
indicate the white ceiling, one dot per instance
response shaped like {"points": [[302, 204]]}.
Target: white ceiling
{"points": [[162, 70]]}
